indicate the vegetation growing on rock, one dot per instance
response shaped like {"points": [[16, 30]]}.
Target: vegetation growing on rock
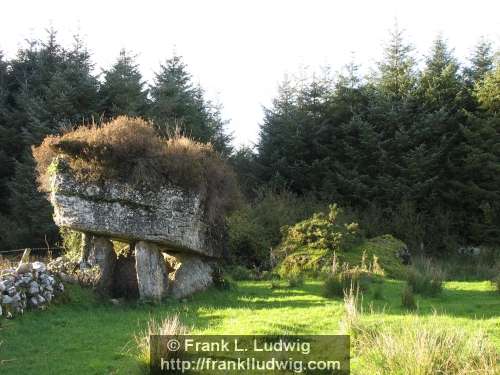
{"points": [[129, 150]]}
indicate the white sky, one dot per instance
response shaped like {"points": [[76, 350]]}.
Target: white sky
{"points": [[240, 50]]}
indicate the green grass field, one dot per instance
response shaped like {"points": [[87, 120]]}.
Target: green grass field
{"points": [[86, 336]]}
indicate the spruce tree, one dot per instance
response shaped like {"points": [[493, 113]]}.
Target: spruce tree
{"points": [[123, 92], [487, 91], [481, 62], [179, 104]]}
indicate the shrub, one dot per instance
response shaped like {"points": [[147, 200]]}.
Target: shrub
{"points": [[484, 266], [275, 284], [255, 228], [378, 292], [408, 299], [423, 347], [221, 280], [71, 242], [321, 231], [129, 150], [171, 327], [295, 279], [240, 273], [426, 278], [380, 258], [333, 287], [337, 284]]}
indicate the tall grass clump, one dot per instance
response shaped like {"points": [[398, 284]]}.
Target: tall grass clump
{"points": [[425, 277], [129, 150], [336, 284], [352, 311], [171, 327], [408, 298], [419, 347], [294, 278]]}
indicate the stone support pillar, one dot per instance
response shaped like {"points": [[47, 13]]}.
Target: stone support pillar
{"points": [[152, 275]]}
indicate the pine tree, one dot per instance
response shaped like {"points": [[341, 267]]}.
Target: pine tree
{"points": [[481, 62], [31, 212], [177, 103], [397, 69], [123, 92], [487, 91], [440, 86], [49, 88], [6, 136]]}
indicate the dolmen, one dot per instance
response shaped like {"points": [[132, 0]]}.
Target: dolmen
{"points": [[170, 235]]}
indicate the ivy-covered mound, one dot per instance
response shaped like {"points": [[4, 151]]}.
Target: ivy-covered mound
{"points": [[309, 247]]}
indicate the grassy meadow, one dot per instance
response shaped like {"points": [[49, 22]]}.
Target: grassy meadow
{"points": [[94, 337]]}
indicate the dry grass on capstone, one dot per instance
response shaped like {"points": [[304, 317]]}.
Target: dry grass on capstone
{"points": [[129, 150]]}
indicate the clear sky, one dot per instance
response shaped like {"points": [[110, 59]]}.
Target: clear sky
{"points": [[240, 50]]}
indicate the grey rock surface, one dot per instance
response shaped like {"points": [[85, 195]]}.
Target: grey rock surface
{"points": [[105, 257], [191, 274], [152, 275], [167, 216], [34, 289]]}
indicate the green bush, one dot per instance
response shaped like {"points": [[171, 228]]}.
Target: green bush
{"points": [[321, 231], [240, 273], [221, 280], [426, 278], [275, 284], [71, 242], [408, 299], [338, 283], [379, 254], [378, 292], [333, 287], [255, 229], [295, 279]]}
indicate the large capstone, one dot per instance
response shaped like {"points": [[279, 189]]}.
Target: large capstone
{"points": [[166, 215]]}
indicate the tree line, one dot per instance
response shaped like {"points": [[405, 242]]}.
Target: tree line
{"points": [[412, 148], [48, 88], [415, 147]]}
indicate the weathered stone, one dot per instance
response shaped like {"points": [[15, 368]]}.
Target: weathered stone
{"points": [[34, 289], [152, 276], [6, 299], [40, 299], [104, 256], [86, 248], [39, 266], [33, 302], [168, 215], [191, 274]]}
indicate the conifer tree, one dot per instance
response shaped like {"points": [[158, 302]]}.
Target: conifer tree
{"points": [[179, 104], [123, 92]]}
